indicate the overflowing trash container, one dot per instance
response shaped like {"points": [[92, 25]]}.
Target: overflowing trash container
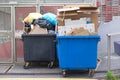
{"points": [[39, 47], [77, 38], [39, 38], [77, 52]]}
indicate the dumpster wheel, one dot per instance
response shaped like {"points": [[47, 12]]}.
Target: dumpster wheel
{"points": [[27, 65], [50, 65], [64, 73], [91, 72]]}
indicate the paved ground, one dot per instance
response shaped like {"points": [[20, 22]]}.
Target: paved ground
{"points": [[44, 79], [38, 71]]}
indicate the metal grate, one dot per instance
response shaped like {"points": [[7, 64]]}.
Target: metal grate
{"points": [[5, 18], [5, 49], [18, 1]]}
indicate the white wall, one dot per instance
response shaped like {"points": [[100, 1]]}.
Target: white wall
{"points": [[110, 27]]}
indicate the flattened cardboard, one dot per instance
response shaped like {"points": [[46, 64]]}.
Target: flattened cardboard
{"points": [[76, 31], [61, 21], [90, 12], [38, 30]]}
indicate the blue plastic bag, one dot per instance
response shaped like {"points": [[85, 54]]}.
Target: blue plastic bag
{"points": [[50, 17]]}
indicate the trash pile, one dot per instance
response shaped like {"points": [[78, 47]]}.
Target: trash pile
{"points": [[74, 21], [36, 23], [70, 21], [77, 27]]}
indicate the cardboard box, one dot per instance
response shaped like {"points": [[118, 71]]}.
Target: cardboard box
{"points": [[78, 31], [61, 21], [38, 30], [77, 13]]}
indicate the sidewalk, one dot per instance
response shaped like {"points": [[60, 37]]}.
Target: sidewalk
{"points": [[17, 71], [44, 79]]}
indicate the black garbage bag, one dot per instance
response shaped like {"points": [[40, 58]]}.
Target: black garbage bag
{"points": [[27, 24], [27, 27], [44, 24]]}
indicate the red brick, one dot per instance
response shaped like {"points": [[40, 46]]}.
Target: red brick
{"points": [[22, 12], [52, 9]]}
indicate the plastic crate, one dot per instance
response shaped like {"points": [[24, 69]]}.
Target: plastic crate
{"points": [[77, 52], [39, 47], [117, 47]]}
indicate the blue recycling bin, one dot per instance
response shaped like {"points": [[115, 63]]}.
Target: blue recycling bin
{"points": [[77, 52]]}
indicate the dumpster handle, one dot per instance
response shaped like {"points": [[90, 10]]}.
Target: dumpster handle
{"points": [[55, 41]]}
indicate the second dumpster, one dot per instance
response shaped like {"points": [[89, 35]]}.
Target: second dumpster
{"points": [[77, 52], [39, 47]]}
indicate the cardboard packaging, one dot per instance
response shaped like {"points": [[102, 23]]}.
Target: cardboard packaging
{"points": [[78, 31], [78, 12], [38, 30]]}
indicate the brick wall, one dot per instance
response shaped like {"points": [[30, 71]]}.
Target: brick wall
{"points": [[109, 9]]}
